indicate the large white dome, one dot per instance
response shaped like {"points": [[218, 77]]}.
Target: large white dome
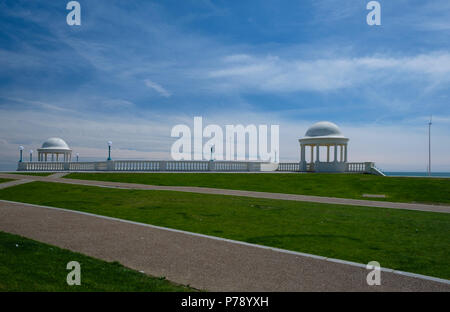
{"points": [[55, 143], [324, 129]]}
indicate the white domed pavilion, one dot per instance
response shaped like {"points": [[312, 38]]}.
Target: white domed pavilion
{"points": [[54, 147], [325, 135]]}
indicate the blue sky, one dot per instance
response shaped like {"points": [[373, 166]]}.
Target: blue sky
{"points": [[134, 69]]}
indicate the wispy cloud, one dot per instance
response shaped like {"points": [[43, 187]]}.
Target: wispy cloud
{"points": [[272, 73], [36, 104], [158, 88]]}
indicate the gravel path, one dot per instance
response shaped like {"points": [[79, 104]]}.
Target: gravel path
{"points": [[204, 190], [202, 262]]}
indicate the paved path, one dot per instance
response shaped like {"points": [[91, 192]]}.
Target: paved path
{"points": [[203, 262], [204, 190], [58, 175], [14, 183]]}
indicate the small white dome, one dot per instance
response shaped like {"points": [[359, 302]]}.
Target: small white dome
{"points": [[55, 143], [324, 129]]}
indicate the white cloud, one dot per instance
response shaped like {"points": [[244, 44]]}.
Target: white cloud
{"points": [[37, 104], [158, 88], [274, 74]]}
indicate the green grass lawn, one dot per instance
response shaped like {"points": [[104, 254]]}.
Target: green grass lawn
{"points": [[398, 189], [41, 174], [27, 265], [405, 240], [4, 180]]}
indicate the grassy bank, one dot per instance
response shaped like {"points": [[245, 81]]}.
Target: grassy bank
{"points": [[4, 180], [398, 189], [411, 241], [27, 265]]}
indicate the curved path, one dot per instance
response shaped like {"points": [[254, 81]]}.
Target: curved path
{"points": [[201, 261], [204, 190]]}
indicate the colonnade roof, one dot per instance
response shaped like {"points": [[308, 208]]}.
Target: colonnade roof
{"points": [[324, 132], [54, 145]]}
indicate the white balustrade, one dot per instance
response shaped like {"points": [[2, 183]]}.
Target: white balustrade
{"points": [[231, 166], [82, 166], [360, 167], [290, 167], [183, 165], [42, 166]]}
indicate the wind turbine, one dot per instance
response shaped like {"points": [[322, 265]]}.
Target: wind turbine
{"points": [[429, 145]]}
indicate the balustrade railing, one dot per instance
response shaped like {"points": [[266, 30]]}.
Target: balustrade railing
{"points": [[42, 166], [356, 167], [186, 166], [163, 165], [82, 166], [140, 165], [290, 167], [231, 166], [130, 165]]}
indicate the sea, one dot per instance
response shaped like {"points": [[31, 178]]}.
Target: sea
{"points": [[417, 174]]}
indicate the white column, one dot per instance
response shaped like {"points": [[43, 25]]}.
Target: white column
{"points": [[302, 157], [302, 152], [335, 153], [328, 153], [341, 158], [317, 153], [312, 153], [345, 154]]}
